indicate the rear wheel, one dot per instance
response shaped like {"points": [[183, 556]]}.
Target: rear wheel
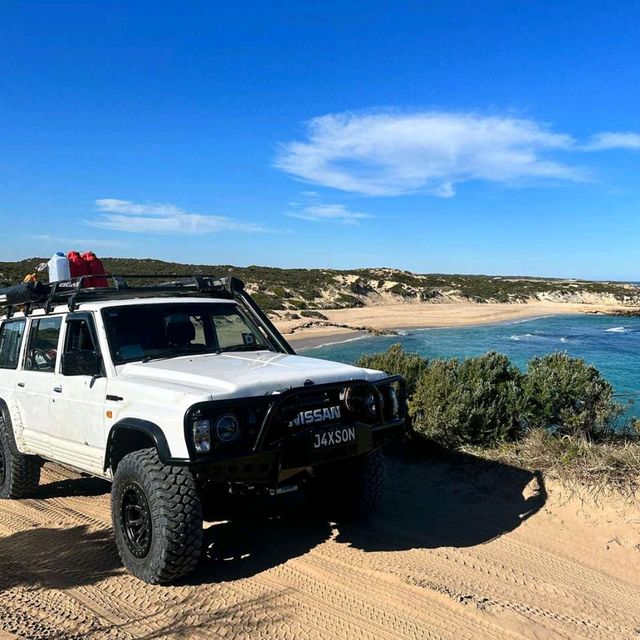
{"points": [[19, 474], [157, 517], [350, 489]]}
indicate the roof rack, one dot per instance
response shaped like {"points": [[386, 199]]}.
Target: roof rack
{"points": [[29, 296], [73, 292], [78, 290]]}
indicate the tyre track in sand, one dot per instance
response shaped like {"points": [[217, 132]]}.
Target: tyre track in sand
{"points": [[461, 549]]}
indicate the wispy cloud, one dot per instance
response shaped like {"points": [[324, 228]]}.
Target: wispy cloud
{"points": [[610, 140], [153, 217], [327, 213], [79, 243], [385, 154]]}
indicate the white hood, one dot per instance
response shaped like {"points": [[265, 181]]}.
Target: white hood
{"points": [[243, 374]]}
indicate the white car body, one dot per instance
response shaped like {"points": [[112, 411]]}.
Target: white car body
{"points": [[67, 419]]}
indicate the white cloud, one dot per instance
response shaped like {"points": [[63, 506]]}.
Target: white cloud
{"points": [[385, 154], [328, 212], [611, 140], [153, 217], [79, 243]]}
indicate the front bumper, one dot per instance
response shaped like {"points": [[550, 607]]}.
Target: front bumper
{"points": [[265, 467], [263, 461]]}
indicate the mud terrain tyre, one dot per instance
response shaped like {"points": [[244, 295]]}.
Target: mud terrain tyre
{"points": [[19, 474], [349, 490], [157, 517]]}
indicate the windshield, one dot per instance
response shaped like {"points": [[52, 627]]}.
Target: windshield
{"points": [[151, 331]]}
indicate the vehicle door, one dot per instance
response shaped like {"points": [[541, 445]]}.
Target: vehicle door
{"points": [[36, 381], [11, 334], [77, 435]]}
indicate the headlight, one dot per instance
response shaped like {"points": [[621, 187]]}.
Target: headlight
{"points": [[371, 403], [202, 435], [227, 428]]}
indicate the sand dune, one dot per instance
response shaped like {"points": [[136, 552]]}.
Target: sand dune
{"points": [[460, 550]]}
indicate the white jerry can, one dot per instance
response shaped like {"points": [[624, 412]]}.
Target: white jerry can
{"points": [[59, 268]]}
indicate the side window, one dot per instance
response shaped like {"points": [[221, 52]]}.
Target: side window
{"points": [[43, 344], [10, 342], [79, 337]]}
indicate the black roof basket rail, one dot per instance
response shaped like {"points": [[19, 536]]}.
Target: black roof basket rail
{"points": [[77, 290]]}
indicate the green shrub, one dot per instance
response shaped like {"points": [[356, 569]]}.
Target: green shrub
{"points": [[569, 395], [313, 314], [280, 292], [400, 289], [360, 287], [476, 401], [347, 301], [396, 361], [486, 401], [267, 302]]}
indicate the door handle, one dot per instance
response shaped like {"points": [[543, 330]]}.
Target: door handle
{"points": [[21, 384], [58, 389]]}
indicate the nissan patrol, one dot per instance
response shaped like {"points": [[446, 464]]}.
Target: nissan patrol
{"points": [[176, 390]]}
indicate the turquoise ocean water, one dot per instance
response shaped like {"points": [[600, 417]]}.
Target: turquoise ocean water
{"points": [[611, 344]]}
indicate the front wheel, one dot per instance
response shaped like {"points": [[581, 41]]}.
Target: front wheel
{"points": [[157, 517], [350, 489]]}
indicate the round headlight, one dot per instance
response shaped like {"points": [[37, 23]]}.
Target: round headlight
{"points": [[371, 404], [227, 428], [354, 398]]}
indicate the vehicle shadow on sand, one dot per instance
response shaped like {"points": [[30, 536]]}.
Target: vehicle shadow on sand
{"points": [[257, 534], [58, 558], [443, 501], [450, 500]]}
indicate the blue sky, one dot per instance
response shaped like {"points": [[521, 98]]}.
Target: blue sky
{"points": [[478, 137]]}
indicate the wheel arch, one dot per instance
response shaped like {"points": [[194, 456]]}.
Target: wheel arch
{"points": [[9, 428], [132, 434]]}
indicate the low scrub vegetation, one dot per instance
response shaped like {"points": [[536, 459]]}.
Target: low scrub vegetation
{"points": [[560, 415], [293, 289]]}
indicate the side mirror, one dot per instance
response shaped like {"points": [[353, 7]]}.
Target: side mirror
{"points": [[81, 363]]}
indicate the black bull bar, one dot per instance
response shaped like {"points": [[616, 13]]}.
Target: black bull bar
{"points": [[262, 461]]}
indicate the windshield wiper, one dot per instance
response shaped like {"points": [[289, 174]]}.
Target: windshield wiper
{"points": [[243, 347], [174, 353]]}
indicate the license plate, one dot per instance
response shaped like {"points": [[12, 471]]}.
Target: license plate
{"points": [[334, 437]]}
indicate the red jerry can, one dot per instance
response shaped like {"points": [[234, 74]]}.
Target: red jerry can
{"points": [[77, 266], [95, 268]]}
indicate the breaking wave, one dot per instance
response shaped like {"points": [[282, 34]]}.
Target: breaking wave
{"points": [[522, 336]]}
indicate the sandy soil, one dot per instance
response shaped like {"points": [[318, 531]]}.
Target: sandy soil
{"points": [[462, 549], [411, 316]]}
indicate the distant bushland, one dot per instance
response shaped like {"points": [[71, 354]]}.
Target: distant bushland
{"points": [[291, 289]]}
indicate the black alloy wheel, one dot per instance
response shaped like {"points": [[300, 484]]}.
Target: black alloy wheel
{"points": [[136, 519]]}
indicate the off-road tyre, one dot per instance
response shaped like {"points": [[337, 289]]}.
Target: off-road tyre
{"points": [[349, 490], [19, 474], [173, 514]]}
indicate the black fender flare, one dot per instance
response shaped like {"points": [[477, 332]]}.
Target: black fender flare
{"points": [[148, 428]]}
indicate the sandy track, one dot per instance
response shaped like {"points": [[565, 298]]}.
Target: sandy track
{"points": [[461, 550]]}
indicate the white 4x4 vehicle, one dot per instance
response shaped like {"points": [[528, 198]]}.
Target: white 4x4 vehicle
{"points": [[173, 391]]}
